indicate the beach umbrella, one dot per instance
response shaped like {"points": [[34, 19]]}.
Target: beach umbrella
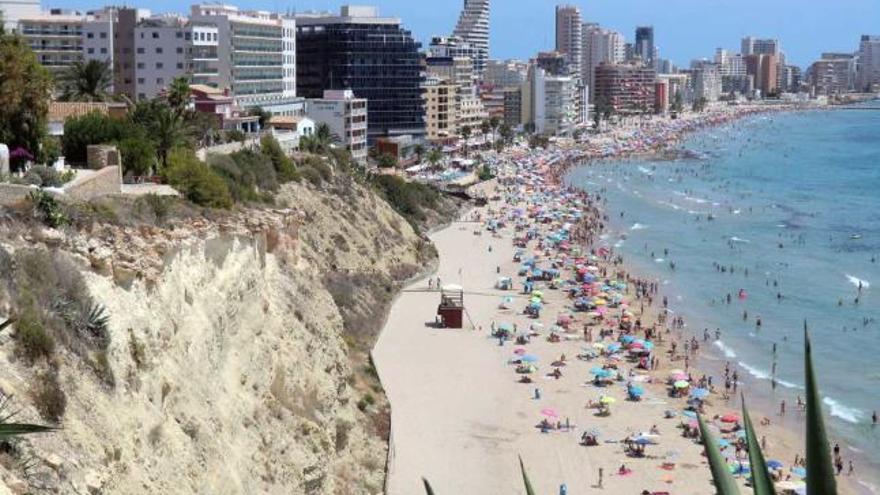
{"points": [[799, 472], [627, 339], [605, 399], [529, 358], [643, 441], [614, 347], [680, 377], [681, 384], [507, 327], [774, 464], [648, 345], [549, 412], [722, 442], [730, 418], [699, 393], [689, 414], [519, 351], [637, 391]]}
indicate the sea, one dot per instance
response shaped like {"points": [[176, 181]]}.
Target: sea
{"points": [[778, 214]]}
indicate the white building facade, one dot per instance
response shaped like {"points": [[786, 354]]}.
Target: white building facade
{"points": [[346, 117]]}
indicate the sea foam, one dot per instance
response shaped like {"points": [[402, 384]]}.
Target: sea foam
{"points": [[855, 281], [728, 352], [638, 226], [846, 413]]}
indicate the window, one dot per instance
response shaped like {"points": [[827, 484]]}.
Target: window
{"points": [[142, 96], [178, 34], [140, 49], [179, 49], [103, 50], [155, 35], [140, 65], [91, 50], [159, 65], [187, 36], [158, 49], [90, 35], [103, 36], [159, 80], [140, 80], [179, 65]]}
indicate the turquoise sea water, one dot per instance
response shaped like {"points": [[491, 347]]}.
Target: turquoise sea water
{"points": [[795, 200]]}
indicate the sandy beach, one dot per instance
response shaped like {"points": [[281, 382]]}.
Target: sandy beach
{"points": [[460, 416]]}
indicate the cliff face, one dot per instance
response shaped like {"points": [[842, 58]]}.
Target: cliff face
{"points": [[236, 350]]}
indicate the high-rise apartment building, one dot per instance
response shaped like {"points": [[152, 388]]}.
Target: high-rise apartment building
{"points": [[505, 73], [644, 45], [707, 81], [513, 107], [372, 56], [764, 70], [56, 37], [758, 46], [256, 54], [550, 105], [600, 46], [833, 74], [627, 88], [869, 63], [569, 37], [441, 120], [473, 27], [553, 63]]}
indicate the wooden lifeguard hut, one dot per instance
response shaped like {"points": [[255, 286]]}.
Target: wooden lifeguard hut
{"points": [[451, 308]]}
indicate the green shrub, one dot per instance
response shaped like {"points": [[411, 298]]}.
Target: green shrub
{"points": [[138, 155], [311, 175], [50, 150], [47, 209], [284, 166], [407, 198], [94, 128], [32, 340], [48, 397], [196, 180]]}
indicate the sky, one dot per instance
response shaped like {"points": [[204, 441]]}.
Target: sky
{"points": [[683, 29]]}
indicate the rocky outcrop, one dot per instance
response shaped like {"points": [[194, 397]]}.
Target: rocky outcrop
{"points": [[234, 346]]}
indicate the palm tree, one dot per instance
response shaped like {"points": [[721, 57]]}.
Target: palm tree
{"points": [[465, 136], [177, 94], [434, 157], [494, 123], [168, 131], [323, 137], [506, 133], [419, 151], [87, 81]]}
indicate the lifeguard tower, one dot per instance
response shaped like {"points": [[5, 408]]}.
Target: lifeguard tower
{"points": [[451, 308]]}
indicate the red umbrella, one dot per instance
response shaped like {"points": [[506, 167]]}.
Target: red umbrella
{"points": [[730, 418]]}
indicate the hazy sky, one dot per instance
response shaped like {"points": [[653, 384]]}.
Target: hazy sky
{"points": [[684, 29]]}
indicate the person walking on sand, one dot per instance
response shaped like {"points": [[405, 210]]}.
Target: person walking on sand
{"points": [[601, 472], [782, 408]]}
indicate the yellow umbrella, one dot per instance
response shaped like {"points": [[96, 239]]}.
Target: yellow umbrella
{"points": [[607, 400]]}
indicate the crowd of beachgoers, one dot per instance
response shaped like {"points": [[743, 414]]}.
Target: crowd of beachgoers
{"points": [[579, 297]]}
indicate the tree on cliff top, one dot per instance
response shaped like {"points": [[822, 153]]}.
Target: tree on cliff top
{"points": [[25, 89]]}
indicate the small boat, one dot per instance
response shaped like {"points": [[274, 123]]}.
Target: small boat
{"points": [[855, 237]]}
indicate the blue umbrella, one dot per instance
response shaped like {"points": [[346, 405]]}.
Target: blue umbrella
{"points": [[774, 464], [799, 472], [613, 347], [627, 339], [636, 391], [723, 442], [643, 441], [699, 393], [690, 414], [602, 373], [529, 358]]}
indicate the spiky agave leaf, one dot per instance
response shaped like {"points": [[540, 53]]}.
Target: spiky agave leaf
{"points": [[724, 483], [526, 482], [762, 483], [428, 489], [15, 429], [6, 323], [820, 470]]}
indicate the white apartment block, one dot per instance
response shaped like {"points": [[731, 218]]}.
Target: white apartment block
{"points": [[707, 82], [161, 54], [551, 103], [346, 116], [14, 10], [203, 57], [56, 37], [256, 57]]}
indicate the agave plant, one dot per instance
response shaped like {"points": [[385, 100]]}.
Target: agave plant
{"points": [[8, 429], [820, 470], [522, 468]]}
